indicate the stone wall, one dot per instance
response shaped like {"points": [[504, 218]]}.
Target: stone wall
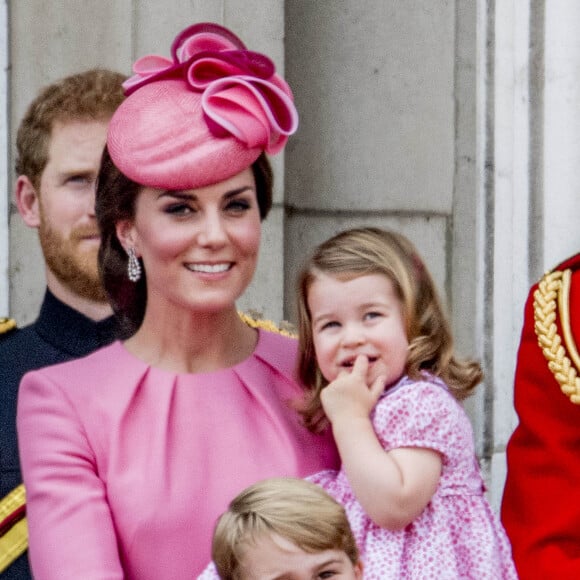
{"points": [[454, 122]]}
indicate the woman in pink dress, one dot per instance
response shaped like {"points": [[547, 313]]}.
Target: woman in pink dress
{"points": [[130, 454], [377, 352]]}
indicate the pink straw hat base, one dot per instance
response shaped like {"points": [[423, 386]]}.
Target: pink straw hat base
{"points": [[203, 116], [158, 138]]}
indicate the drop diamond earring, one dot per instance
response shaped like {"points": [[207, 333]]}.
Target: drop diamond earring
{"points": [[133, 266]]}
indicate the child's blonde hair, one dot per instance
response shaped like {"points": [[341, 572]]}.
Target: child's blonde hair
{"points": [[297, 510], [363, 251]]}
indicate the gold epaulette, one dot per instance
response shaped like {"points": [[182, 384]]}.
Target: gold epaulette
{"points": [[255, 320], [13, 527], [6, 325], [552, 299]]}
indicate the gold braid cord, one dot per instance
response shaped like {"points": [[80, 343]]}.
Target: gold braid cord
{"points": [[13, 534], [7, 324], [551, 299], [14, 541], [255, 320]]}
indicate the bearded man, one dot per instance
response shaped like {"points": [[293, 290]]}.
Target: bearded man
{"points": [[59, 146]]}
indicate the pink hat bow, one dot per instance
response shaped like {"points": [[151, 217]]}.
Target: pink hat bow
{"points": [[241, 94]]}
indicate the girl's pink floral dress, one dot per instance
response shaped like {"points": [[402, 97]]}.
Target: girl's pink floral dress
{"points": [[457, 535]]}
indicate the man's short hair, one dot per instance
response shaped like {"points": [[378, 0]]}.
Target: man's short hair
{"points": [[93, 95]]}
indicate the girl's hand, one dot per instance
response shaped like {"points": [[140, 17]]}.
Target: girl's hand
{"points": [[393, 487], [349, 396]]}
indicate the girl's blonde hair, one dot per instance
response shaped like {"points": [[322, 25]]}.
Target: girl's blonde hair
{"points": [[363, 251], [294, 509]]}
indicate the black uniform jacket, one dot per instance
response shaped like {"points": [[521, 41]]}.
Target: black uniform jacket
{"points": [[59, 334]]}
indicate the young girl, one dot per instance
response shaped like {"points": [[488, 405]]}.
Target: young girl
{"points": [[377, 356], [284, 528]]}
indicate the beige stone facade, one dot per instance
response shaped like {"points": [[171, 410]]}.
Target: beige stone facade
{"points": [[454, 122]]}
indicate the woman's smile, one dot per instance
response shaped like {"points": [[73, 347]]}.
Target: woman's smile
{"points": [[210, 268]]}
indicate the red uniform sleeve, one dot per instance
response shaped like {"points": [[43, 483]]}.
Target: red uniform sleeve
{"points": [[71, 531], [540, 507]]}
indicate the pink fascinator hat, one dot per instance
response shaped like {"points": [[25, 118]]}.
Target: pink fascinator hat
{"points": [[202, 116]]}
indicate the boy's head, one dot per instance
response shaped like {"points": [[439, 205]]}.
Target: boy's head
{"points": [[284, 526]]}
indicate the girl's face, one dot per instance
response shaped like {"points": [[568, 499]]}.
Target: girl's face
{"points": [[199, 247], [358, 316], [276, 558]]}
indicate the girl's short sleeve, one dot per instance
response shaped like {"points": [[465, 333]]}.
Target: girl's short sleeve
{"points": [[420, 414]]}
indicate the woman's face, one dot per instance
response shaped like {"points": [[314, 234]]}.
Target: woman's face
{"points": [[199, 247]]}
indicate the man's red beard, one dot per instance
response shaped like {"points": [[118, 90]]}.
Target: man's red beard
{"points": [[74, 266]]}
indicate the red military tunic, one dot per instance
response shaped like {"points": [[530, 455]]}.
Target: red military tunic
{"points": [[541, 501]]}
